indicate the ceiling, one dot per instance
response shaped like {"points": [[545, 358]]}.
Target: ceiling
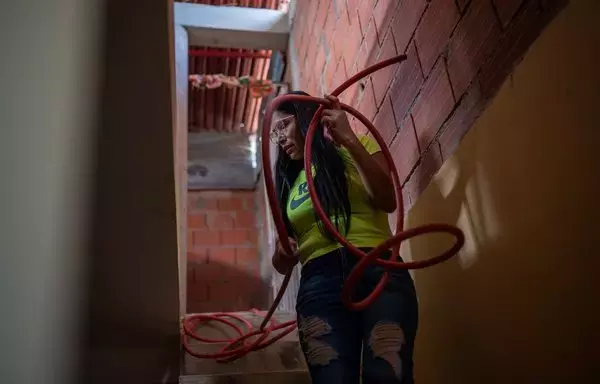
{"points": [[227, 109]]}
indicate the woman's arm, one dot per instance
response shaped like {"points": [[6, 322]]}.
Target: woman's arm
{"points": [[372, 168], [282, 262]]}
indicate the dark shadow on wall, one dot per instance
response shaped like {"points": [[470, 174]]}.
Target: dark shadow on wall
{"points": [[219, 287]]}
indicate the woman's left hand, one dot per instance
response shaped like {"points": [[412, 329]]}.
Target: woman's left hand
{"points": [[336, 121]]}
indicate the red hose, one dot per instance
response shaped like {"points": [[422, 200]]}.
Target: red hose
{"points": [[268, 326]]}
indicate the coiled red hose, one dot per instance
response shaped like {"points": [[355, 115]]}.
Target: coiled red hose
{"points": [[239, 347]]}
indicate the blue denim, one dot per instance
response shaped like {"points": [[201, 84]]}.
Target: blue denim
{"points": [[341, 345]]}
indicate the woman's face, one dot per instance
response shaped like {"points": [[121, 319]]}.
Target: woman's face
{"points": [[287, 135]]}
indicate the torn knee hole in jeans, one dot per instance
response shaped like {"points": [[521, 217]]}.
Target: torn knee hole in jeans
{"points": [[386, 342], [317, 351]]}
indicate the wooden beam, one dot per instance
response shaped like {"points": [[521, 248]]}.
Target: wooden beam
{"points": [[233, 27]]}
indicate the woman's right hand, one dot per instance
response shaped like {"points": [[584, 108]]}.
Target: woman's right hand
{"points": [[283, 261]]}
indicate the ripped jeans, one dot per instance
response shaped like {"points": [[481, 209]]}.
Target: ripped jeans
{"points": [[340, 345]]}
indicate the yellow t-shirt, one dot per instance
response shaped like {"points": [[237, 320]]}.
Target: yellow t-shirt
{"points": [[368, 226]]}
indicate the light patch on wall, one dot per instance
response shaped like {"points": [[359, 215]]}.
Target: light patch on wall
{"points": [[488, 224], [478, 218], [447, 178], [467, 256]]}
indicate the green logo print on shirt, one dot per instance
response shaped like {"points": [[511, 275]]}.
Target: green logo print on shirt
{"points": [[301, 197]]}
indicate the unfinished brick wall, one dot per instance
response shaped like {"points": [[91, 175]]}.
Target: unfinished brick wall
{"points": [[223, 264], [459, 53]]}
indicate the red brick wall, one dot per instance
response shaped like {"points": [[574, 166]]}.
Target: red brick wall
{"points": [[459, 53], [223, 262]]}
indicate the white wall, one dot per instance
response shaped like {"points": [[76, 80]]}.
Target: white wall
{"points": [[48, 72]]}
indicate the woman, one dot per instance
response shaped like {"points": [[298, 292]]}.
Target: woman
{"points": [[354, 186]]}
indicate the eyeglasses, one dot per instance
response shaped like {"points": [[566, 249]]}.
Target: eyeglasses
{"points": [[279, 127]]}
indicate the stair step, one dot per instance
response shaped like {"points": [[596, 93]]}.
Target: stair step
{"points": [[282, 360], [288, 377]]}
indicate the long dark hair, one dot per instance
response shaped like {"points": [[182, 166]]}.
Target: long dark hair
{"points": [[331, 182]]}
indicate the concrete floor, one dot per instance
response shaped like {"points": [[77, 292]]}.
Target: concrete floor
{"points": [[282, 361]]}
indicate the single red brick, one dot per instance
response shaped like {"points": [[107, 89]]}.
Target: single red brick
{"points": [[246, 255], [244, 193], [245, 219], [506, 9], [190, 275], [407, 83], [385, 122], [351, 5], [321, 16], [252, 236], [364, 11], [299, 29], [405, 149], [234, 237], [433, 105], [369, 49], [197, 221], [192, 201], [350, 37], [475, 37], [367, 104], [230, 204], [336, 48], [430, 163], [330, 75], [340, 76], [301, 50], [198, 202], [468, 110], [350, 96], [197, 291], [330, 22], [311, 11], [434, 31], [319, 63], [221, 220], [382, 14], [405, 21], [206, 238], [190, 239], [311, 56], [384, 77], [222, 255]]}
